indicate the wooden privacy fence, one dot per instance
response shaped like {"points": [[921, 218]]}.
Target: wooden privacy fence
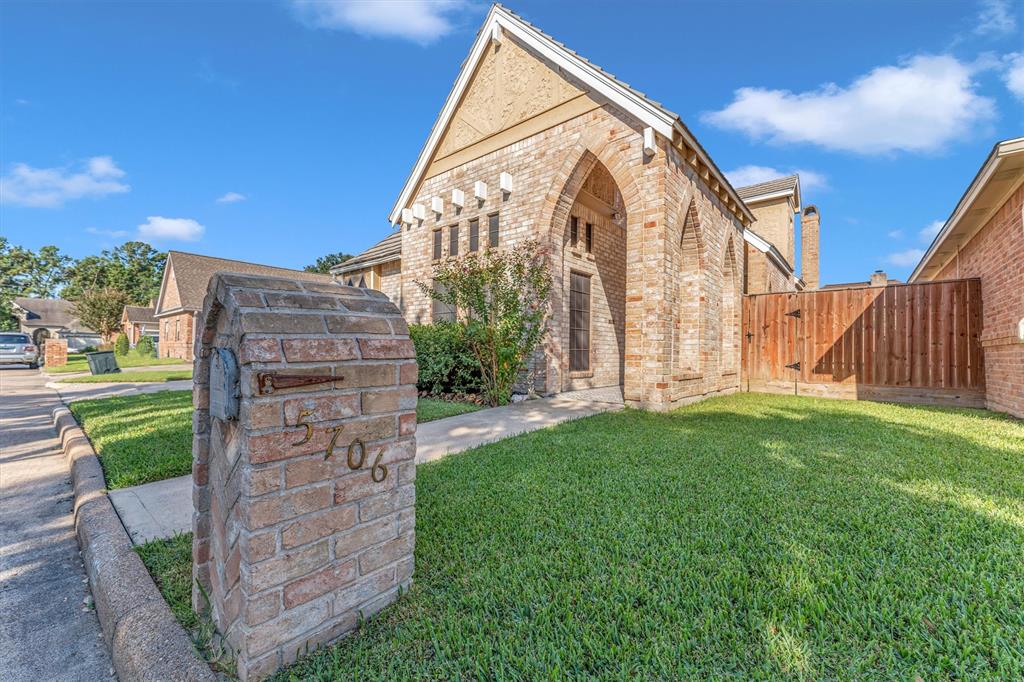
{"points": [[903, 342]]}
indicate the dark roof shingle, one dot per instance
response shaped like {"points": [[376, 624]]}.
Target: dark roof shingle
{"points": [[387, 249]]}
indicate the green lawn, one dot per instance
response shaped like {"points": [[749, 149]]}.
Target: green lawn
{"points": [[139, 438], [152, 376], [750, 536], [78, 363], [429, 409]]}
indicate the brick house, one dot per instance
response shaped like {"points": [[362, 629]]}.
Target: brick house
{"points": [[183, 287], [53, 318], [138, 321], [647, 239], [984, 238]]}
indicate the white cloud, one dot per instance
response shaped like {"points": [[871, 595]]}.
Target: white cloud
{"points": [[52, 187], [917, 106], [996, 18], [928, 232], [905, 259], [895, 234], [107, 233], [751, 175], [421, 21], [22, 102], [231, 198], [157, 228], [1013, 76]]}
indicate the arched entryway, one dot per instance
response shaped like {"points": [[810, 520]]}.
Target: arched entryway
{"points": [[591, 242], [39, 336]]}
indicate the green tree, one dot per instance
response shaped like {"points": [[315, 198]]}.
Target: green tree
{"points": [[135, 268], [121, 344], [324, 264], [502, 300], [26, 273], [100, 309], [145, 347]]}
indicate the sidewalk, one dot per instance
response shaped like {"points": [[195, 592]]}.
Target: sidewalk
{"points": [[161, 509], [46, 630]]}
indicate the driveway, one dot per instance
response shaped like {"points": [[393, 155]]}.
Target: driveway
{"points": [[48, 629]]}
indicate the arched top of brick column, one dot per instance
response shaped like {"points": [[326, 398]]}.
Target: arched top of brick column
{"points": [[578, 163], [693, 229]]}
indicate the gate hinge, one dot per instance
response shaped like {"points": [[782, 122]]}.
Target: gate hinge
{"points": [[794, 313], [795, 365]]}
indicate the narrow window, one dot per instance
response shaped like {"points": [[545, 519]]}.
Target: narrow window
{"points": [[492, 230], [177, 330], [437, 244], [453, 240], [474, 234], [574, 231], [590, 238], [442, 312], [579, 322]]}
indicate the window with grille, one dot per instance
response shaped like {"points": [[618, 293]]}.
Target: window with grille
{"points": [[590, 238], [492, 230], [474, 234], [574, 230], [442, 312], [453, 240], [437, 244], [579, 322]]}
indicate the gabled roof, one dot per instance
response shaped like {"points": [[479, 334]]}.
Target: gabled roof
{"points": [[386, 250], [772, 189], [139, 314], [192, 274], [646, 110], [52, 313], [1000, 175]]}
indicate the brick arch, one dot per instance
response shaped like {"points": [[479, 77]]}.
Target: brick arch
{"points": [[730, 309], [690, 313], [579, 161]]}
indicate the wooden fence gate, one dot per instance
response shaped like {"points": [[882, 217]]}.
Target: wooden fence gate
{"points": [[917, 343]]}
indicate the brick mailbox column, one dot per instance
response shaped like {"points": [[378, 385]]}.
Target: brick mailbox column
{"points": [[303, 463], [55, 352]]}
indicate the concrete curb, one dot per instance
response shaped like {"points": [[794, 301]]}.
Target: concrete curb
{"points": [[144, 639]]}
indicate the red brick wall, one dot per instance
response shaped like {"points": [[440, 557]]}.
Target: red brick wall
{"points": [[996, 255], [176, 336]]}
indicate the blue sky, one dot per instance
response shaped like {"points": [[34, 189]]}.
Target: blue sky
{"points": [[279, 131]]}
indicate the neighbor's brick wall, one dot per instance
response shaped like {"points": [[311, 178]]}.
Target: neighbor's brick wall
{"points": [[391, 281], [176, 335], [294, 548], [996, 255], [548, 169], [776, 224]]}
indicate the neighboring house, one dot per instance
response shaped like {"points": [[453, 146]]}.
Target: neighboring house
{"points": [[379, 267], [52, 318], [138, 321], [647, 239], [183, 288], [984, 238], [771, 244]]}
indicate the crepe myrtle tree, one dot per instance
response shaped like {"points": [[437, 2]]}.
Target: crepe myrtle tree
{"points": [[501, 298], [100, 310]]}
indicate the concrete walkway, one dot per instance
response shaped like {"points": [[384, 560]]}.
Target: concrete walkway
{"points": [[72, 392], [47, 631], [161, 509]]}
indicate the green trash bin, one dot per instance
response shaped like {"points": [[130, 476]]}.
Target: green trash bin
{"points": [[102, 362]]}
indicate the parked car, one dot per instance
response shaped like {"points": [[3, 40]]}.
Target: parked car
{"points": [[18, 349]]}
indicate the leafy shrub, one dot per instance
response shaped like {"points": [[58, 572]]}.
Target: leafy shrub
{"points": [[447, 365], [89, 349], [501, 297], [145, 347], [121, 344]]}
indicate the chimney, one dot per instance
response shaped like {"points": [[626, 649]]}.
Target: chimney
{"points": [[810, 227], [879, 278]]}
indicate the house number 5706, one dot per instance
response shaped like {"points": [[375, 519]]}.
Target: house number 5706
{"points": [[356, 455]]}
